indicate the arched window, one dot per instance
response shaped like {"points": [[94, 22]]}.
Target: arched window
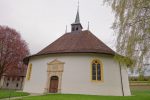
{"points": [[77, 28], [73, 29], [7, 84], [17, 85], [96, 70]]}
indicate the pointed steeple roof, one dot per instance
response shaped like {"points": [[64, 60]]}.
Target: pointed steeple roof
{"points": [[76, 26], [77, 20]]}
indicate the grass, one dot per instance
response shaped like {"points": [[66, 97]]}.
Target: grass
{"points": [[137, 95], [139, 81], [11, 93]]}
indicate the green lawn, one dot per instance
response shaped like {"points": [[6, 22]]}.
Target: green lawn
{"points": [[138, 95], [11, 93]]}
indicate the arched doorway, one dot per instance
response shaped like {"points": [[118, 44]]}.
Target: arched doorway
{"points": [[53, 84]]}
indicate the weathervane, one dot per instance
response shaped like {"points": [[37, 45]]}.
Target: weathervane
{"points": [[78, 4], [66, 29], [88, 25]]}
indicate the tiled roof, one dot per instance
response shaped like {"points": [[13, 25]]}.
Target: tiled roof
{"points": [[77, 42]]}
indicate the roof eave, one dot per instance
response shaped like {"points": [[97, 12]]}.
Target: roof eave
{"points": [[26, 59]]}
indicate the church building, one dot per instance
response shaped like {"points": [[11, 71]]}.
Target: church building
{"points": [[76, 63]]}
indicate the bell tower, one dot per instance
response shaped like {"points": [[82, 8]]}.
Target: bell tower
{"points": [[76, 26]]}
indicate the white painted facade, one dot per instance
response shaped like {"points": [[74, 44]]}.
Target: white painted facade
{"points": [[76, 76]]}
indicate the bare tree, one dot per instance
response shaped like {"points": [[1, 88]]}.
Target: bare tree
{"points": [[12, 49]]}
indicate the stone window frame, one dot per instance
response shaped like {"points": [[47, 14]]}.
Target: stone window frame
{"points": [[97, 61]]}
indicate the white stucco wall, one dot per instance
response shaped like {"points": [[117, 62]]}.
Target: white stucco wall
{"points": [[12, 83], [76, 77], [125, 81], [1, 81]]}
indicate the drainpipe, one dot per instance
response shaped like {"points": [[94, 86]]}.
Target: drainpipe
{"points": [[121, 80]]}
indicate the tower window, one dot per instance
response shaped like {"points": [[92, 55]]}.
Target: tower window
{"points": [[77, 28], [72, 28], [96, 70]]}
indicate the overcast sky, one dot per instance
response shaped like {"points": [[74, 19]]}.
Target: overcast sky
{"points": [[40, 22]]}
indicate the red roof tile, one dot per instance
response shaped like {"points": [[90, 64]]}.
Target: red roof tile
{"points": [[77, 42]]}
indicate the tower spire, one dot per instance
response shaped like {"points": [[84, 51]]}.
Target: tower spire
{"points": [[76, 26], [77, 20], [88, 25]]}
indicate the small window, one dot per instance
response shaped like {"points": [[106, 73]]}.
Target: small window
{"points": [[96, 70], [7, 84], [72, 28], [93, 71], [17, 85], [77, 28]]}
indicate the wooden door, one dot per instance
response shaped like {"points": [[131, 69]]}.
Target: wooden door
{"points": [[53, 84]]}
